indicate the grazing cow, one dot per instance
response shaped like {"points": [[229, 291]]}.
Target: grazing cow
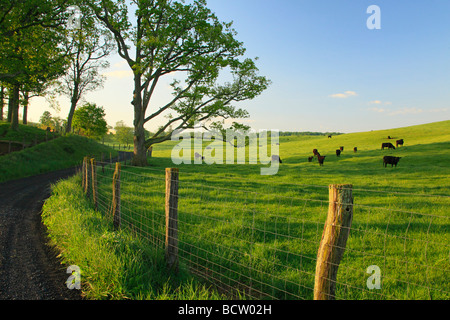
{"points": [[310, 159], [316, 153], [390, 160], [321, 159], [276, 158], [338, 152], [389, 137], [355, 149], [399, 142], [329, 137], [387, 145], [341, 148], [197, 155]]}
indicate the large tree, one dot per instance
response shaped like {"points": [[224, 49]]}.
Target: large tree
{"points": [[88, 45], [189, 43]]}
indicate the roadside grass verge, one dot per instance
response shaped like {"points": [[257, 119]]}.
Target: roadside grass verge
{"points": [[113, 264]]}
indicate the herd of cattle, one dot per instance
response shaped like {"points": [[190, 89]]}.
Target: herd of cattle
{"points": [[393, 161], [386, 159]]}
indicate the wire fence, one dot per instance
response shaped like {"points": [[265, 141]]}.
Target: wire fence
{"points": [[265, 245]]}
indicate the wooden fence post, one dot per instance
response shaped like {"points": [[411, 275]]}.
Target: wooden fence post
{"points": [[171, 243], [94, 182], [86, 177], [83, 176], [115, 208], [334, 240]]}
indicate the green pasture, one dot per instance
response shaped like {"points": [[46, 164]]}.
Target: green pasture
{"points": [[255, 236]]}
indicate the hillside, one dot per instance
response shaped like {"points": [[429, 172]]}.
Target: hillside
{"points": [[425, 161], [56, 154], [26, 133]]}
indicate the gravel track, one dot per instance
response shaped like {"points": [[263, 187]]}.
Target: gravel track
{"points": [[29, 267]]}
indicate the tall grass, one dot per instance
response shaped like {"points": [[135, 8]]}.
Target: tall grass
{"points": [[114, 265]]}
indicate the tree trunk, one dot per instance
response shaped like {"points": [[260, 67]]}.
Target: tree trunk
{"points": [[2, 101], [140, 152], [10, 107], [14, 106], [70, 118], [73, 105], [25, 108]]}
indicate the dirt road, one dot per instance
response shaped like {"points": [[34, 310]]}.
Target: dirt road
{"points": [[29, 268]]}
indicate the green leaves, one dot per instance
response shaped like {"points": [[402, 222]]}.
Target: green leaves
{"points": [[90, 119], [30, 49]]}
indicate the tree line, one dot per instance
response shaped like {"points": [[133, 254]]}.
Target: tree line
{"points": [[59, 47]]}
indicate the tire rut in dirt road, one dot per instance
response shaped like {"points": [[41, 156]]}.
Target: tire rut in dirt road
{"points": [[29, 268]]}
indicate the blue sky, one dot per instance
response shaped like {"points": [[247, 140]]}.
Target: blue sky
{"points": [[329, 72]]}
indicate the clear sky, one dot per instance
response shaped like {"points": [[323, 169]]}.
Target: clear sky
{"points": [[329, 71]]}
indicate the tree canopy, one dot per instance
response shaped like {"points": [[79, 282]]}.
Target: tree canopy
{"points": [[90, 120], [30, 54]]}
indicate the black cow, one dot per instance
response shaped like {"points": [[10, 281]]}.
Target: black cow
{"points": [[310, 159], [387, 145], [338, 152], [276, 158], [329, 137], [316, 153], [399, 142], [355, 149], [390, 160], [320, 159]]}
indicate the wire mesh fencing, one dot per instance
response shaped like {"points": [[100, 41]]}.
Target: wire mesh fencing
{"points": [[266, 245]]}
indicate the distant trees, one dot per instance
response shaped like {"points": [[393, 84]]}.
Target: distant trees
{"points": [[89, 119], [307, 133], [123, 133], [55, 123], [46, 119]]}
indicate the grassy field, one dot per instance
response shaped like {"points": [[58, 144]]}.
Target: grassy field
{"points": [[60, 153], [259, 235]]}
